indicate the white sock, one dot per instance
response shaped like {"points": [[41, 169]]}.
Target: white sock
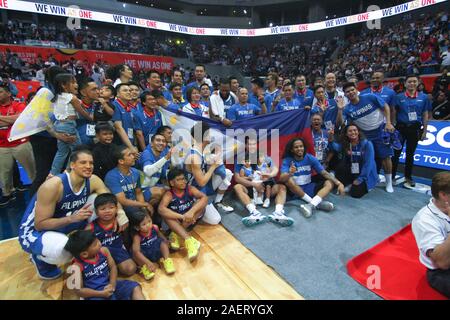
{"points": [[251, 208], [388, 179], [316, 200], [279, 208], [347, 188], [306, 198], [219, 198]]}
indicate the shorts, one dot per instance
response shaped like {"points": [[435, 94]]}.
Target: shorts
{"points": [[270, 182], [153, 253], [124, 291], [119, 254], [147, 194], [310, 189], [382, 150]]}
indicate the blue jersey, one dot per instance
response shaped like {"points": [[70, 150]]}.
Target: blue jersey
{"points": [[239, 112], [147, 122], [182, 203], [123, 113], [109, 238], [137, 107], [228, 103], [264, 165], [252, 99], [284, 105], [70, 202], [305, 98], [148, 158], [248, 172], [320, 144], [364, 155], [269, 97], [304, 167], [385, 93], [329, 115], [194, 84], [85, 128], [118, 182], [148, 241], [203, 166], [367, 114], [410, 109], [95, 273]]}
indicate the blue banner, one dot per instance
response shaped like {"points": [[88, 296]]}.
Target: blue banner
{"points": [[434, 152]]}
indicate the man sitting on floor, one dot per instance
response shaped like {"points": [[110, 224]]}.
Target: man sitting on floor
{"points": [[431, 227]]}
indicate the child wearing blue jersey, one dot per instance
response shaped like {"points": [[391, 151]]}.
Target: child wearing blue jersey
{"points": [[181, 208], [254, 173], [297, 173], [105, 229], [98, 270], [148, 245]]}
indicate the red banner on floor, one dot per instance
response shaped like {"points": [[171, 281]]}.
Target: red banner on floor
{"points": [[135, 61]]}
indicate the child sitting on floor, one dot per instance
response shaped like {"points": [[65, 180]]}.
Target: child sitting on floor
{"points": [[181, 207], [148, 245], [105, 229], [98, 270], [255, 174]]}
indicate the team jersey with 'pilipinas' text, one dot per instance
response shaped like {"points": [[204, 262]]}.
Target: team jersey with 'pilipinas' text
{"points": [[285, 105], [239, 112], [385, 93], [182, 203], [367, 114], [109, 238], [410, 109], [69, 203], [304, 168], [95, 272]]}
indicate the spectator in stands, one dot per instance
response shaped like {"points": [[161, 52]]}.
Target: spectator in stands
{"points": [[431, 228], [18, 150]]}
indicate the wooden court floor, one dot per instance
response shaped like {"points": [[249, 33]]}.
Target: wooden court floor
{"points": [[224, 269]]}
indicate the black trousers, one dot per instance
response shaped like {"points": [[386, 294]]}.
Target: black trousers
{"points": [[44, 150], [439, 280], [344, 174], [409, 134]]}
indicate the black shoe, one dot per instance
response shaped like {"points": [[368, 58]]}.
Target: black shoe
{"points": [[6, 200]]}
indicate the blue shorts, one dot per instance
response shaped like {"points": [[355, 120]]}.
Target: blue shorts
{"points": [[153, 253], [119, 254], [382, 150], [310, 189], [124, 291]]}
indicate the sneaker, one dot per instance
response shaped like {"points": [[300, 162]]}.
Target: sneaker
{"points": [[169, 268], [395, 141], [192, 248], [174, 241], [224, 206], [254, 219], [259, 201], [21, 188], [307, 210], [266, 203], [326, 206], [148, 275], [281, 219], [5, 200], [44, 270], [410, 182]]}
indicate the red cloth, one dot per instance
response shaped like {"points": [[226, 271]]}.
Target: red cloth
{"points": [[10, 109], [402, 276]]}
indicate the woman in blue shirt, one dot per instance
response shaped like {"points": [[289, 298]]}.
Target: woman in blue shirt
{"points": [[357, 170]]}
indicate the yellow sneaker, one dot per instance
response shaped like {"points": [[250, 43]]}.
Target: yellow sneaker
{"points": [[148, 275], [174, 240], [192, 247], [169, 268]]}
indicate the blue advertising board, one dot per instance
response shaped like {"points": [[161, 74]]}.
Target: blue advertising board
{"points": [[434, 152]]}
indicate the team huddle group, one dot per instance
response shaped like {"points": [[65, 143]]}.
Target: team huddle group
{"points": [[109, 185]]}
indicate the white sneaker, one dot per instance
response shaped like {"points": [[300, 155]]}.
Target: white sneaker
{"points": [[325, 206], [266, 203], [225, 207], [255, 218], [307, 210], [281, 219], [258, 201]]}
